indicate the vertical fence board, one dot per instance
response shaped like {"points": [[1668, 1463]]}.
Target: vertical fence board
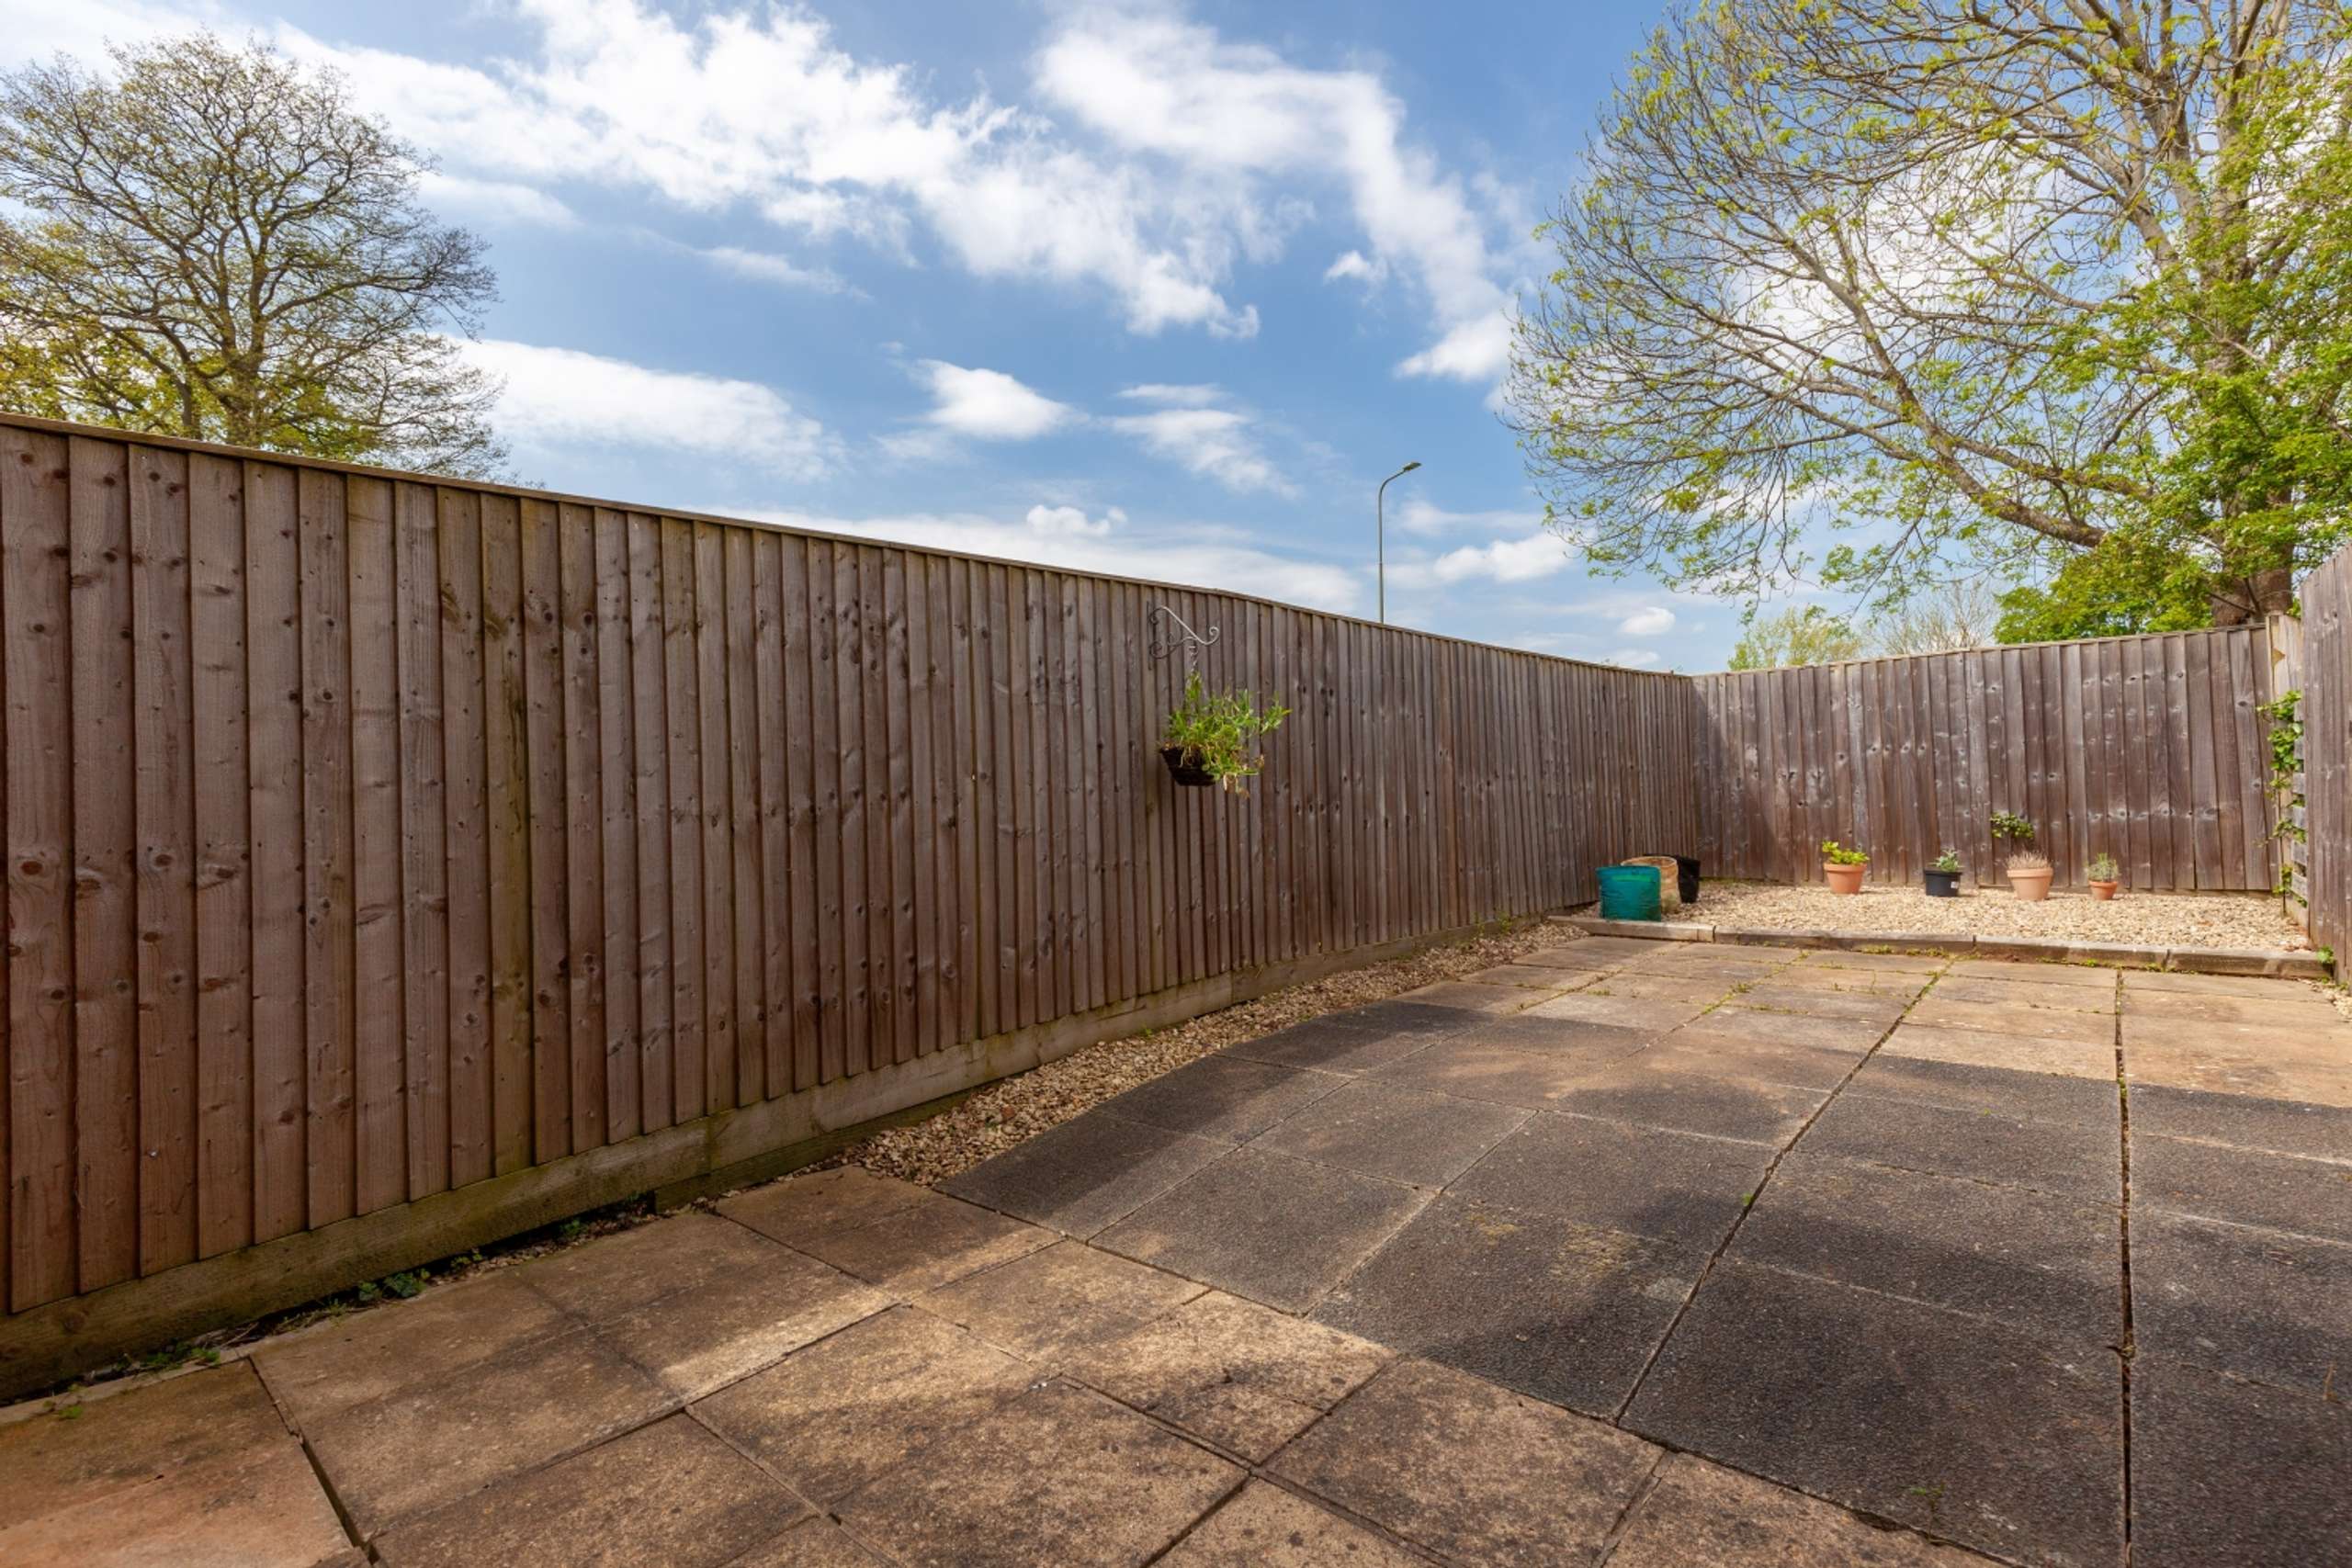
{"points": [[380, 1025], [224, 1198]]}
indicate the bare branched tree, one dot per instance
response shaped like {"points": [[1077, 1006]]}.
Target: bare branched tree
{"points": [[1955, 614], [212, 243], [2003, 277]]}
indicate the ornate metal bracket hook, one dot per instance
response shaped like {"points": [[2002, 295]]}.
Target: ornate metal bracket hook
{"points": [[1170, 633]]}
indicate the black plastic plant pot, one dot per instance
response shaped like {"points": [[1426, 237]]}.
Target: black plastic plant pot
{"points": [[1942, 884], [1182, 772]]}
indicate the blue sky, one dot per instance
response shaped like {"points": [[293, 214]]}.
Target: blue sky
{"points": [[1154, 289]]}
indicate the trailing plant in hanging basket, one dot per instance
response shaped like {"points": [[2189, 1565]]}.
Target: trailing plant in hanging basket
{"points": [[1211, 738]]}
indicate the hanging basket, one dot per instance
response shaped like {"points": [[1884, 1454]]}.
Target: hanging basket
{"points": [[1190, 774]]}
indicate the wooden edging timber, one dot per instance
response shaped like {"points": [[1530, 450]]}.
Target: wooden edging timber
{"points": [[733, 1148], [2272, 962]]}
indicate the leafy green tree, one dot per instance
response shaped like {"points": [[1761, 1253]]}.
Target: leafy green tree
{"points": [[208, 241], [1807, 634], [2037, 282]]}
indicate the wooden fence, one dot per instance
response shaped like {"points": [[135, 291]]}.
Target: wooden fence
{"points": [[2325, 707], [370, 838], [2149, 748]]}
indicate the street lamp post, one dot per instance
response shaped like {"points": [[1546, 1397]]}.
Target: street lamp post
{"points": [[1380, 535]]}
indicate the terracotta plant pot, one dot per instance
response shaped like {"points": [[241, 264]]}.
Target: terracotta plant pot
{"points": [[2032, 887], [1843, 879], [2103, 891]]}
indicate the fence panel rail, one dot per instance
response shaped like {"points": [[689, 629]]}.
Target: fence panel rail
{"points": [[2326, 711], [2149, 748]]}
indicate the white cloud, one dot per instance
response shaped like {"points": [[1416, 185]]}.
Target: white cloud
{"points": [[1636, 657], [763, 267], [1419, 516], [1214, 442], [1199, 555], [989, 405], [1355, 264], [1158, 84], [1651, 620], [1072, 521], [560, 398], [1500, 561], [476, 199], [1195, 396]]}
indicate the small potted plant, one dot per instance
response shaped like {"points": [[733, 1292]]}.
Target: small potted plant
{"points": [[2105, 877], [2029, 874], [1211, 740], [1842, 868], [1942, 875]]}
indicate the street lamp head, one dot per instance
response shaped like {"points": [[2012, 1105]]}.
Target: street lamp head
{"points": [[1408, 468]]}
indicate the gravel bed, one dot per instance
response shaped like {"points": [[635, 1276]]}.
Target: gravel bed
{"points": [[1016, 1108], [2169, 919]]}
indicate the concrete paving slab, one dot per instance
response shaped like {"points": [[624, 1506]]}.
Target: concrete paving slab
{"points": [[1060, 1474], [260, 1506], [2023, 1051], [1598, 1004], [1328, 1045], [1870, 1007], [818, 1203], [1589, 1042], [2229, 1474], [1566, 955], [2015, 1021], [1739, 1053], [1467, 1470], [2081, 1102], [2283, 1126], [1893, 963], [812, 1543], [612, 1276], [712, 1332], [1701, 1513], [1869, 982], [1425, 1140], [922, 1248], [1468, 996], [832, 1416], [1274, 1229], [1714, 1103], [1264, 1526], [2073, 1160], [1496, 1074], [132, 1438], [2030, 1260], [2264, 1304], [2259, 988], [1222, 1097], [1615, 948], [1398, 1016], [1566, 1312], [1852, 1035], [1653, 985], [1534, 976], [1085, 1174], [409, 1452], [1674, 1186], [1242, 1376], [1966, 1429], [2025, 993], [331, 1366], [669, 1493], [2249, 1186], [2262, 1063], [1053, 1303], [2281, 1012], [2088, 976]]}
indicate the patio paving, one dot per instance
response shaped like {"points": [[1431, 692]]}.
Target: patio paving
{"points": [[1634, 1253]]}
